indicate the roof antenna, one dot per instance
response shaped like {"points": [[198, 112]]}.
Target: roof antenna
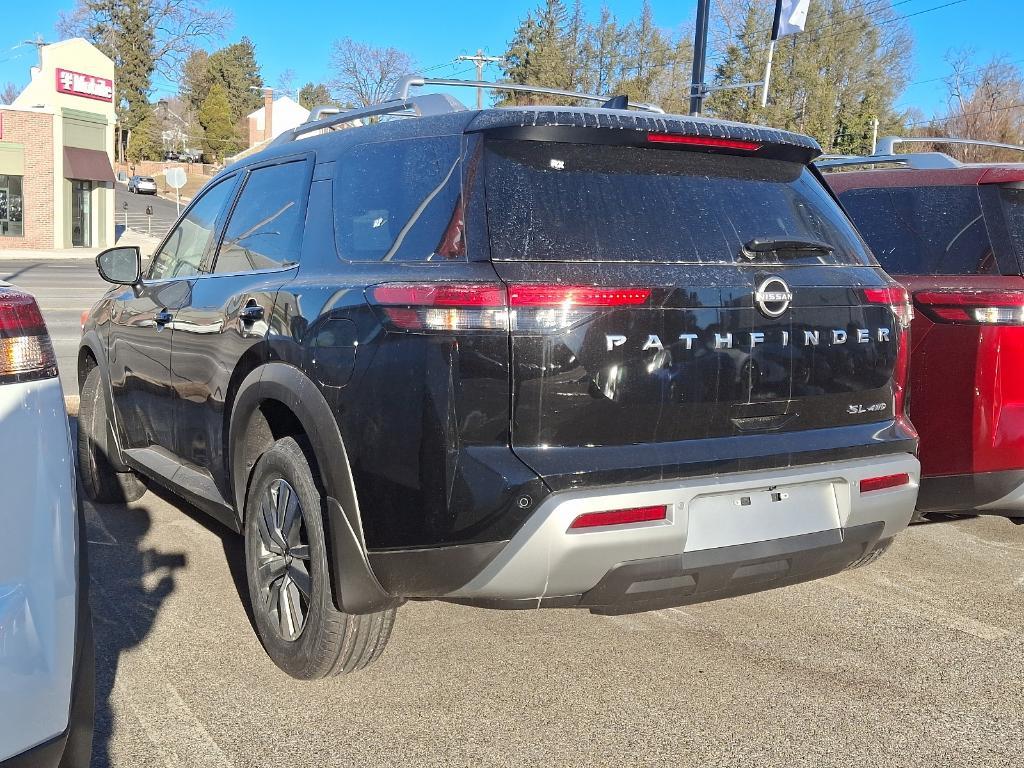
{"points": [[616, 102]]}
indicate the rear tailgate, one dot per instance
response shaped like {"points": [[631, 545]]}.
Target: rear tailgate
{"points": [[637, 319]]}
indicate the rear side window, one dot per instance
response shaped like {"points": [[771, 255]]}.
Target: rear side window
{"points": [[551, 201], [937, 230], [265, 228], [1012, 198], [400, 201]]}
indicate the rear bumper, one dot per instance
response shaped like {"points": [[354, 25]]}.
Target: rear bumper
{"points": [[724, 535], [990, 493]]}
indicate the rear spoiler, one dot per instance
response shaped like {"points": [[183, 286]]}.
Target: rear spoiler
{"points": [[607, 126]]}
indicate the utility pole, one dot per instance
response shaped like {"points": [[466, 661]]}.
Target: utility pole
{"points": [[480, 60], [39, 43], [700, 52]]}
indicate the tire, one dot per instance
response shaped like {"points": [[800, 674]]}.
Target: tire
{"points": [[100, 482], [289, 583]]}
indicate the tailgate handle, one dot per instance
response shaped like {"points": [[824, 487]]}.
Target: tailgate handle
{"points": [[761, 423]]}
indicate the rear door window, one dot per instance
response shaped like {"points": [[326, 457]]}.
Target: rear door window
{"points": [[935, 230], [265, 228], [550, 201], [400, 201]]}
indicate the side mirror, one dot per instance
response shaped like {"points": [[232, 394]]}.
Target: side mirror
{"points": [[121, 266]]}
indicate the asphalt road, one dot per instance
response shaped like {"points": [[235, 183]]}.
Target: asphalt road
{"points": [[165, 212], [63, 289], [913, 661]]}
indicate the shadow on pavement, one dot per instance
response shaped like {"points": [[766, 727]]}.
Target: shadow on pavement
{"points": [[128, 584]]}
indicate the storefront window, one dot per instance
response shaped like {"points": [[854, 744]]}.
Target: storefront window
{"points": [[11, 206]]}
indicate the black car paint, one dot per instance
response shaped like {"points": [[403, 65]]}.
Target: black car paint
{"points": [[426, 423]]}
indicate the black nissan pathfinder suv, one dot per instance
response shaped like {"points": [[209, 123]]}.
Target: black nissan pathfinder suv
{"points": [[512, 358]]}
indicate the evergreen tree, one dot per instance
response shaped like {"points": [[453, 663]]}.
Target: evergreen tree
{"points": [[145, 142], [234, 67], [314, 95], [830, 81], [537, 54], [220, 138]]}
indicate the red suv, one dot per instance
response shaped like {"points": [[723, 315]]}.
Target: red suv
{"points": [[953, 234]]}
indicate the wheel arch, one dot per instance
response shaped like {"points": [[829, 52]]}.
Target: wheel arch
{"points": [[277, 399]]}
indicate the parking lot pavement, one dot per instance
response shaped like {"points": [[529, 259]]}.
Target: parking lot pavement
{"points": [[914, 661]]}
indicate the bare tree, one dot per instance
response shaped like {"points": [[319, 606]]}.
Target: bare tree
{"points": [[286, 82], [9, 93], [179, 26], [982, 103], [364, 74]]}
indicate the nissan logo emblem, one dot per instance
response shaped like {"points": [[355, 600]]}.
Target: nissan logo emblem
{"points": [[772, 297]]}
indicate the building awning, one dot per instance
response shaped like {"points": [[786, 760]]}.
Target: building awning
{"points": [[87, 165]]}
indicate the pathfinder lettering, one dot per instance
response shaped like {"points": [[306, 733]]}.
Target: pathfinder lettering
{"points": [[835, 338]]}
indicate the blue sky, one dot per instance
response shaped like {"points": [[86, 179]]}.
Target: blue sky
{"points": [[299, 36]]}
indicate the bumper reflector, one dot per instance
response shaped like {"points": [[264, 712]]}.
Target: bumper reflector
{"points": [[620, 517], [886, 481]]}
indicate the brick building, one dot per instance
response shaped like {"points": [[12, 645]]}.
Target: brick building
{"points": [[56, 147]]}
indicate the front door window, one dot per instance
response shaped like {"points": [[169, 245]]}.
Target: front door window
{"points": [[81, 214]]}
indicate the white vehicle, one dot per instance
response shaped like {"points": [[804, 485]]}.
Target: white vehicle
{"points": [[142, 185], [46, 646]]}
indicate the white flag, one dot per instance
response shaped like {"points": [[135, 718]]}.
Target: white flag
{"points": [[790, 17]]}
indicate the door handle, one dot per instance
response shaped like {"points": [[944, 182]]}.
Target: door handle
{"points": [[163, 317], [251, 312]]}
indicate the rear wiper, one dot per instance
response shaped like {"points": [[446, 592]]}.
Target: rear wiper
{"points": [[762, 245]]}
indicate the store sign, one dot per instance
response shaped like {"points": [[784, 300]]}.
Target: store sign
{"points": [[86, 86]]}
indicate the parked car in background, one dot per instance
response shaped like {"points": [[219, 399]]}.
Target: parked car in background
{"points": [[191, 156], [511, 358], [953, 234], [142, 185], [46, 646]]}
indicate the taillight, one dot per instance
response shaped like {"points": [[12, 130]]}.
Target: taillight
{"points": [[703, 141], [620, 517], [898, 300], [443, 306], [26, 353], [869, 484], [530, 307], [972, 307]]}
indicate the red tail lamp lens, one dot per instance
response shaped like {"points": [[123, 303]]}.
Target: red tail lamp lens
{"points": [[702, 141], [973, 307], [885, 481], [620, 517]]}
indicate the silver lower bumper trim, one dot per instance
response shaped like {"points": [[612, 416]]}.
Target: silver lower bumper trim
{"points": [[708, 514]]}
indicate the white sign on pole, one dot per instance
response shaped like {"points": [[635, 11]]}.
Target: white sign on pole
{"points": [[176, 179]]}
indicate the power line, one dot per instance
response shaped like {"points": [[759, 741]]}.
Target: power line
{"points": [[966, 114]]}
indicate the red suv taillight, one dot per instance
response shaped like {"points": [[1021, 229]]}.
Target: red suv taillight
{"points": [[972, 307], [530, 307], [26, 353], [898, 300]]}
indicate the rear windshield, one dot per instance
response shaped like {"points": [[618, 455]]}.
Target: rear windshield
{"points": [[551, 201], [938, 230]]}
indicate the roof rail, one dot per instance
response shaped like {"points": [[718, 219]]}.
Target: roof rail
{"points": [[916, 160], [418, 106], [886, 144], [409, 81], [919, 161]]}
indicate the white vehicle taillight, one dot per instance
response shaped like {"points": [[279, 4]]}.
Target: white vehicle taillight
{"points": [[26, 353]]}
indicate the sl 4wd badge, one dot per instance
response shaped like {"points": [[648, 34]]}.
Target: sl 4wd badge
{"points": [[865, 408]]}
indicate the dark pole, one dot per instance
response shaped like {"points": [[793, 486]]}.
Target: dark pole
{"points": [[700, 51]]}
